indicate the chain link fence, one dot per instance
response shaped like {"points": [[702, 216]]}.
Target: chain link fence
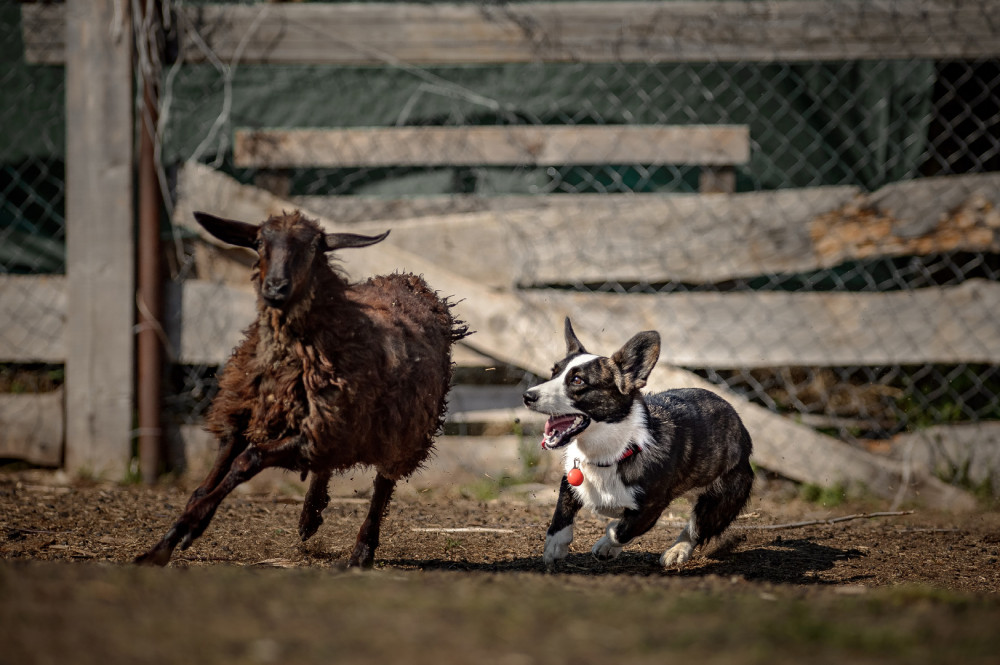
{"points": [[876, 182], [32, 242]]}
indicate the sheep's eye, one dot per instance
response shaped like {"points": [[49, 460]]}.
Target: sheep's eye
{"points": [[576, 381]]}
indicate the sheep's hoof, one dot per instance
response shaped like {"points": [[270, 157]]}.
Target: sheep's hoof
{"points": [[361, 557], [308, 525], [158, 556]]}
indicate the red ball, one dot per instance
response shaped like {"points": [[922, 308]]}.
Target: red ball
{"points": [[575, 477]]}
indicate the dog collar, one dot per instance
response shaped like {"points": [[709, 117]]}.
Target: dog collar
{"points": [[628, 452]]}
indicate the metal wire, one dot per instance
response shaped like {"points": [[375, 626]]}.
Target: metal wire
{"points": [[863, 124]]}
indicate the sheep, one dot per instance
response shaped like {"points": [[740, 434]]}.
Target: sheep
{"points": [[329, 376]]}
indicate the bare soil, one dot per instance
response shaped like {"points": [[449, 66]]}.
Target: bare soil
{"points": [[458, 579]]}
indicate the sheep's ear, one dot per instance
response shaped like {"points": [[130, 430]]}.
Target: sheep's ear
{"points": [[229, 231], [345, 240], [636, 360], [573, 345]]}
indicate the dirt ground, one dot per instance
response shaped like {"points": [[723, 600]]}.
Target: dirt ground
{"points": [[458, 578]]}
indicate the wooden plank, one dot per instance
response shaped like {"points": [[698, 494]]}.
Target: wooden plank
{"points": [[683, 31], [912, 218], [968, 452], [722, 330], [946, 325], [33, 309], [524, 332], [32, 427], [684, 238], [99, 243], [579, 239], [353, 209], [678, 238], [492, 146]]}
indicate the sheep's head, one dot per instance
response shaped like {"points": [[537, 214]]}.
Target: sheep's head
{"points": [[287, 247]]}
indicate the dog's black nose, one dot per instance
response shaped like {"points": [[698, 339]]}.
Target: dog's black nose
{"points": [[529, 397]]}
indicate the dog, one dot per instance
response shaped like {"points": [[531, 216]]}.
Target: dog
{"points": [[628, 455]]}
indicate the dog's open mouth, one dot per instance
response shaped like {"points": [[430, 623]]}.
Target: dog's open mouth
{"points": [[559, 430]]}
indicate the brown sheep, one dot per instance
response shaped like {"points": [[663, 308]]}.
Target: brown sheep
{"points": [[330, 375]]}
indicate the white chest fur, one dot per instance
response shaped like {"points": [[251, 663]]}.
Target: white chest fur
{"points": [[603, 489]]}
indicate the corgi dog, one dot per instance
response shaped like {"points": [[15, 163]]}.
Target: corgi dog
{"points": [[627, 455]]}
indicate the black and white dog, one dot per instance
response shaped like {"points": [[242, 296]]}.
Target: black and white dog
{"points": [[628, 455]]}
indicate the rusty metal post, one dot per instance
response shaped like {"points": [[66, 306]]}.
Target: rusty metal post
{"points": [[149, 302]]}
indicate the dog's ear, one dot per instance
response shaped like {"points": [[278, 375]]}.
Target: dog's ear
{"points": [[636, 360], [573, 345]]}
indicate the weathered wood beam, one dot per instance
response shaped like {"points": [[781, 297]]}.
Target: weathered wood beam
{"points": [[692, 239], [968, 453], [686, 31], [100, 253], [33, 427], [519, 145], [945, 325], [348, 209], [722, 330]]}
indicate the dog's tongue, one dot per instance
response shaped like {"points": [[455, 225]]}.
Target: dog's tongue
{"points": [[555, 427], [557, 424]]}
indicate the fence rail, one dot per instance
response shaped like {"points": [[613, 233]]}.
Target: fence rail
{"points": [[420, 34]]}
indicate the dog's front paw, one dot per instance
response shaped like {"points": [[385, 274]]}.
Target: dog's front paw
{"points": [[677, 555], [607, 547], [557, 546]]}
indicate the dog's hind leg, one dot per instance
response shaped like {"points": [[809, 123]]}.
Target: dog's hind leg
{"points": [[680, 551], [714, 511]]}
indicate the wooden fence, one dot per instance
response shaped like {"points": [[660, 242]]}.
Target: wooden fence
{"points": [[670, 238]]}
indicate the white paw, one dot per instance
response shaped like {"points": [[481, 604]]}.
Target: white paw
{"points": [[677, 555], [557, 546], [607, 547]]}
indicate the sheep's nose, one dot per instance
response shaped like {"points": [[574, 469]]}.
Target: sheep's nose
{"points": [[276, 290], [530, 396]]}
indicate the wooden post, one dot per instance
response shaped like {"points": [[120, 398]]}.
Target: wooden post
{"points": [[99, 238]]}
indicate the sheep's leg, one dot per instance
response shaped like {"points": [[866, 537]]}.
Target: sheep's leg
{"points": [[317, 499], [229, 448], [364, 551], [199, 512]]}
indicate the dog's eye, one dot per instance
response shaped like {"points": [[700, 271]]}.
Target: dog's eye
{"points": [[576, 381]]}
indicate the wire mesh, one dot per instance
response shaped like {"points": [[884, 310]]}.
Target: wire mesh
{"points": [[862, 135]]}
